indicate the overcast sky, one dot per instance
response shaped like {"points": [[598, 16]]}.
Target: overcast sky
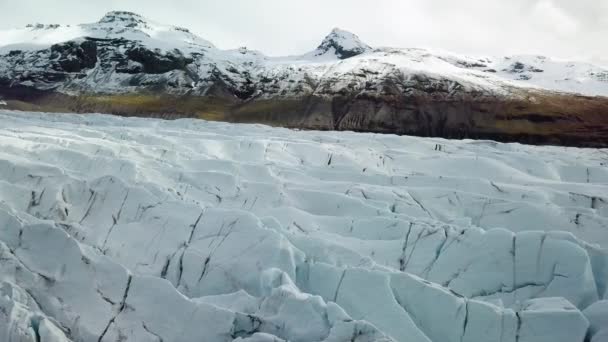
{"points": [[561, 28]]}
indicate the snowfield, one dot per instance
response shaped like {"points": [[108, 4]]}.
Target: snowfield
{"points": [[123, 229]]}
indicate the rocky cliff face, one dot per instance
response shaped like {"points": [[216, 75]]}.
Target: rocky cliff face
{"points": [[126, 64]]}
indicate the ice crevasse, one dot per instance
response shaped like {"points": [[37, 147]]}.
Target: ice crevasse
{"points": [[115, 229]]}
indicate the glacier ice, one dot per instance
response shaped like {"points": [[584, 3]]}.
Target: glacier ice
{"points": [[146, 230]]}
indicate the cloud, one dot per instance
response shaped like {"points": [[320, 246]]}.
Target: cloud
{"points": [[561, 28], [553, 18]]}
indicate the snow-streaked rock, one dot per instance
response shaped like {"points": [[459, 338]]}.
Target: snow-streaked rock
{"points": [[113, 25], [43, 56], [341, 44], [138, 229]]}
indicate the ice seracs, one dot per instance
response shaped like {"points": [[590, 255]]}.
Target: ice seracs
{"points": [[242, 232], [597, 314]]}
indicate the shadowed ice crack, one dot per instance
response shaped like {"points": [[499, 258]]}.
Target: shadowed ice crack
{"points": [[122, 306]]}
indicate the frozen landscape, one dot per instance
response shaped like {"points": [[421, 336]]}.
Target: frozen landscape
{"points": [[129, 65], [124, 229], [105, 56]]}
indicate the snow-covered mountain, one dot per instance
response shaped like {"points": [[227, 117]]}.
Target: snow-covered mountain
{"points": [[341, 44], [121, 33], [342, 84], [113, 25], [124, 31], [125, 229]]}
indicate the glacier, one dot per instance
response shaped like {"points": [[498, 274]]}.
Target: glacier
{"points": [[126, 229]]}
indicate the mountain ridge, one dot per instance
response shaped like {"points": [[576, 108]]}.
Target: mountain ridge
{"points": [[342, 84]]}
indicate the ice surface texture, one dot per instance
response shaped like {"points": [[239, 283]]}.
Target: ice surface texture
{"points": [[117, 229]]}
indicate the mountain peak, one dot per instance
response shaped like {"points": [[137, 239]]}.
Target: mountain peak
{"points": [[123, 18], [343, 44], [339, 31]]}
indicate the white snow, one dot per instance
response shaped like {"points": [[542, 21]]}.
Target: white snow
{"points": [[537, 71], [147, 230], [495, 75], [347, 40], [126, 25], [338, 39]]}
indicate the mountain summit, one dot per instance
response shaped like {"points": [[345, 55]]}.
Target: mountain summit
{"points": [[343, 44], [122, 18]]}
